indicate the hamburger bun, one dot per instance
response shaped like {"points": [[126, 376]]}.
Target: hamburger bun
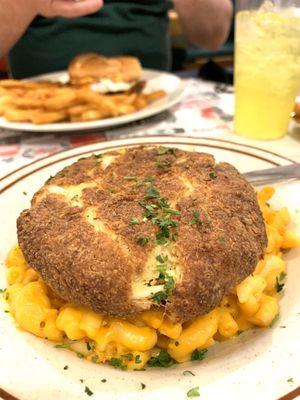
{"points": [[92, 67], [145, 227]]}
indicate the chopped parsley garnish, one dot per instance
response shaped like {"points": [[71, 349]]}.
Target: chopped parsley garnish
{"points": [[90, 346], [103, 380], [2, 290], [80, 355], [279, 285], [194, 392], [143, 385], [75, 197], [117, 363], [88, 391], [6, 311], [169, 282], [163, 150], [290, 380], [98, 157], [221, 238], [163, 360], [151, 193], [66, 367], [130, 178], [25, 193], [188, 373], [142, 240], [275, 319], [94, 358], [81, 380], [162, 163], [198, 355], [161, 258], [128, 356], [134, 221], [212, 175], [137, 359], [62, 346], [49, 179], [196, 219]]}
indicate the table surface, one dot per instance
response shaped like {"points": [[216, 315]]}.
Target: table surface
{"points": [[206, 109]]}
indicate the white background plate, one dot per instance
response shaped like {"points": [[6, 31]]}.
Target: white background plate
{"points": [[254, 365], [156, 80]]}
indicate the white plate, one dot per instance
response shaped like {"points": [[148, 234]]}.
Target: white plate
{"points": [[156, 80], [254, 365]]}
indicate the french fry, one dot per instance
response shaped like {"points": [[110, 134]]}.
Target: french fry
{"points": [[47, 102]]}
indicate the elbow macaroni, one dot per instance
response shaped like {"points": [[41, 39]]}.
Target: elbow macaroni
{"points": [[254, 302]]}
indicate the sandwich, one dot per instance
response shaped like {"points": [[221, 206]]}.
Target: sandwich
{"points": [[105, 74]]}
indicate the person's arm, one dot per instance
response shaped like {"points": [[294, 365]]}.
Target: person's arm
{"points": [[16, 15], [206, 23]]}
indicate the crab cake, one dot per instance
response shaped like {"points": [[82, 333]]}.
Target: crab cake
{"points": [[144, 227]]}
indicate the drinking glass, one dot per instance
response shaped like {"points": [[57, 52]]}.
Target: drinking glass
{"points": [[267, 66]]}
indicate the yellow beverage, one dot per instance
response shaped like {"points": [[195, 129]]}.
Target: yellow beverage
{"points": [[267, 70]]}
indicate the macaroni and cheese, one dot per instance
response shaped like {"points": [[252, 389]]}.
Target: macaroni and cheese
{"points": [[151, 337]]}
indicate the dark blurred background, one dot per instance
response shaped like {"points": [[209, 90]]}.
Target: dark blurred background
{"points": [[189, 60]]}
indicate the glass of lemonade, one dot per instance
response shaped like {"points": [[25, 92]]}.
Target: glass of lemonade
{"points": [[267, 66]]}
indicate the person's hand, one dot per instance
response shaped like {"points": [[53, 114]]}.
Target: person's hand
{"points": [[66, 8]]}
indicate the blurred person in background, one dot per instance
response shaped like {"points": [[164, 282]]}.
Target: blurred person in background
{"points": [[42, 36]]}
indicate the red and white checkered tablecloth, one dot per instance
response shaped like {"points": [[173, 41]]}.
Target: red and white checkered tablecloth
{"points": [[206, 109]]}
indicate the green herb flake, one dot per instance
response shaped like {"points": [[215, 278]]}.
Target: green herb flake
{"points": [[49, 179], [279, 285], [134, 221], [75, 197], [196, 219], [66, 367], [130, 178], [151, 193], [163, 360], [188, 373], [94, 358], [212, 175], [117, 363], [198, 355], [137, 359], [142, 240], [164, 150], [98, 157], [80, 355], [2, 290], [103, 380], [221, 239], [290, 380], [6, 311], [62, 346], [88, 391], [128, 356], [90, 346], [25, 193], [81, 380], [143, 385], [194, 392], [275, 319]]}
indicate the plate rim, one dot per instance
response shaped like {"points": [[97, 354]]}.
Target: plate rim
{"points": [[170, 136]]}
